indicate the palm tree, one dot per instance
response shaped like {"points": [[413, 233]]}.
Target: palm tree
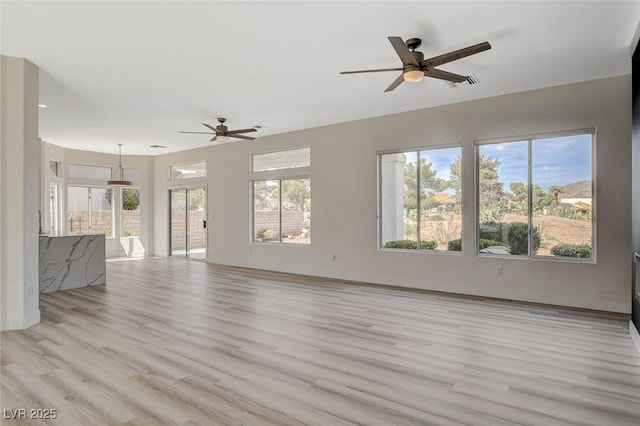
{"points": [[556, 190]]}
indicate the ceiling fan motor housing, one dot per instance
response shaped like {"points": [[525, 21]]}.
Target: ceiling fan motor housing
{"points": [[413, 43]]}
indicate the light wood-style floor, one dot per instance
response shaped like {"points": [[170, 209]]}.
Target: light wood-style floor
{"points": [[168, 341]]}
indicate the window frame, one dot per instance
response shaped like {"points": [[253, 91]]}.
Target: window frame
{"points": [[252, 236], [291, 173], [55, 208], [417, 150], [69, 176], [90, 209], [186, 179], [530, 138], [282, 169]]}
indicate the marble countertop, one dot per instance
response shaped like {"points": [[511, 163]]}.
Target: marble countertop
{"points": [[71, 262]]}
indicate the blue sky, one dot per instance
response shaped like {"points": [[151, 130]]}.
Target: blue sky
{"points": [[441, 159], [556, 161]]}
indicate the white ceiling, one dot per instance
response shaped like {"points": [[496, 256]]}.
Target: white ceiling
{"points": [[137, 73]]}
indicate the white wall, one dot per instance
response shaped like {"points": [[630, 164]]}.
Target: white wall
{"points": [[344, 197]]}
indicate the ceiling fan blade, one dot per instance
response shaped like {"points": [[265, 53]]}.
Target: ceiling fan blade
{"points": [[210, 127], [213, 138], [242, 137], [200, 133], [378, 70], [395, 83], [456, 54], [445, 75], [403, 51], [233, 132]]}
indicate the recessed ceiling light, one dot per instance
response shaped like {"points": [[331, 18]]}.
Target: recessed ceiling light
{"points": [[42, 106], [157, 146]]}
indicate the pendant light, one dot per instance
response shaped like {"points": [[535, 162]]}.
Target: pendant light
{"points": [[118, 179]]}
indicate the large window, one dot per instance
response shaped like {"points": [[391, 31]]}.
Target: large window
{"points": [[89, 211], [282, 211], [420, 199], [289, 159], [188, 171], [87, 172], [54, 209], [535, 196]]}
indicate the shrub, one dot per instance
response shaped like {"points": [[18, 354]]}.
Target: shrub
{"points": [[489, 235], [455, 245], [484, 243], [571, 250], [428, 245], [493, 230], [584, 250], [518, 237], [410, 244], [402, 244], [267, 234]]}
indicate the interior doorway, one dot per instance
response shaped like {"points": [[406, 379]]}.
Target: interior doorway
{"points": [[188, 231]]}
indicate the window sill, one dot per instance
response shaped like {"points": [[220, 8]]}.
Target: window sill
{"points": [[561, 259], [422, 251]]}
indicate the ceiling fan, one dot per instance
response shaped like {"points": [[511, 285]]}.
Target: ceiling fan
{"points": [[222, 133], [415, 67]]}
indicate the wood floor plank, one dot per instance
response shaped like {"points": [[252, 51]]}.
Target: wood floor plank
{"points": [[168, 341]]}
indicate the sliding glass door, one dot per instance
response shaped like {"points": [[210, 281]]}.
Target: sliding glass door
{"points": [[188, 223]]}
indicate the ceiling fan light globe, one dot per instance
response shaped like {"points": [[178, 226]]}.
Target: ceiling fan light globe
{"points": [[413, 75], [222, 138]]}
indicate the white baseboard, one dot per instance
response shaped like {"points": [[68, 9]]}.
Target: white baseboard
{"points": [[634, 335], [20, 323]]}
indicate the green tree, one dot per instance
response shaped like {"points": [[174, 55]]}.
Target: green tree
{"points": [[492, 200], [130, 198], [429, 184], [455, 178], [539, 198], [266, 195], [556, 191], [492, 204], [519, 197], [518, 192], [296, 195]]}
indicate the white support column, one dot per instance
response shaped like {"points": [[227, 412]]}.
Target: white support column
{"points": [[19, 193], [392, 195]]}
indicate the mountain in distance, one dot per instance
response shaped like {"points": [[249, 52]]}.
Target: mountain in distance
{"points": [[581, 189]]}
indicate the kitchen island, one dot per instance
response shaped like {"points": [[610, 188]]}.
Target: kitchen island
{"points": [[71, 261]]}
